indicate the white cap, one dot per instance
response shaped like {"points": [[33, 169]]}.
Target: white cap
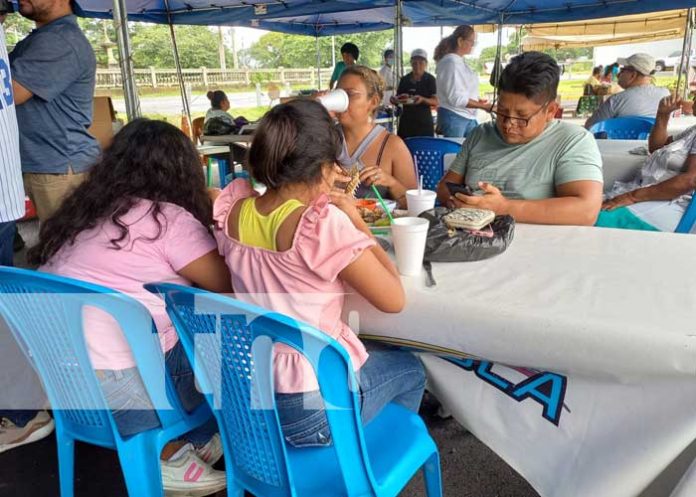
{"points": [[419, 52], [641, 62]]}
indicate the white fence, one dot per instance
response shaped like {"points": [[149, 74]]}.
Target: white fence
{"points": [[207, 78]]}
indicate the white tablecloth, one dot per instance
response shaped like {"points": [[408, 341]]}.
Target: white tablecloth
{"points": [[602, 319], [617, 163]]}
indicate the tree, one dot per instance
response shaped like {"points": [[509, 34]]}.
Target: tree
{"points": [[283, 50], [17, 28], [151, 45]]}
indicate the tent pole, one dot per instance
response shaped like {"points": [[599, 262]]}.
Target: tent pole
{"points": [[498, 65], [690, 35], [398, 47], [318, 64], [685, 45], [130, 94], [177, 62]]}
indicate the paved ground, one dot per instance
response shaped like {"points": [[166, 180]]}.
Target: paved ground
{"points": [[469, 468], [199, 103]]}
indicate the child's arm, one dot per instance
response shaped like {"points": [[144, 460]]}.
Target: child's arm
{"points": [[373, 275]]}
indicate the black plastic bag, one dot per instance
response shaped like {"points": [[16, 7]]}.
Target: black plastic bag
{"points": [[217, 126], [464, 246]]}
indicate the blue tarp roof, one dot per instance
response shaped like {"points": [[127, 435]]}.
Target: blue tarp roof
{"points": [[327, 17]]}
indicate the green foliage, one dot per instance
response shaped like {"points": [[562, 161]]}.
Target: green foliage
{"points": [[275, 50], [512, 48], [16, 28], [151, 46]]}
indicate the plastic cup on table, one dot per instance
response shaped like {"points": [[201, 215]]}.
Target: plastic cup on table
{"points": [[408, 236], [418, 202]]}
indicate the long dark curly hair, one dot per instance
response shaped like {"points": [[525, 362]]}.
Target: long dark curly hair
{"points": [[150, 160]]}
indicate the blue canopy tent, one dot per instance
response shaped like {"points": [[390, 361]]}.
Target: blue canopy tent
{"points": [[329, 17], [335, 16]]}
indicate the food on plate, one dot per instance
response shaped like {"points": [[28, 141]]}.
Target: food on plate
{"points": [[469, 218], [371, 212]]}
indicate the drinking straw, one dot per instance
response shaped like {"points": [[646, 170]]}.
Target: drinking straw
{"points": [[384, 206], [418, 175]]}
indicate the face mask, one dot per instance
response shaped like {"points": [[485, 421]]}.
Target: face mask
{"points": [[390, 62]]}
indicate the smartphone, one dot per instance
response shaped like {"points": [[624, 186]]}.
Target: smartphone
{"points": [[6, 7], [455, 188]]}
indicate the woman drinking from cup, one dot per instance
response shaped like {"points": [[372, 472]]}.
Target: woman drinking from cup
{"points": [[382, 158]]}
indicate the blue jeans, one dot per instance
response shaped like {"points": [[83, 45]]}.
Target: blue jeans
{"points": [[130, 404], [388, 375], [453, 125], [7, 235]]}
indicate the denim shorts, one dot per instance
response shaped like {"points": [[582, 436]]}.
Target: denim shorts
{"points": [[388, 375], [131, 406]]}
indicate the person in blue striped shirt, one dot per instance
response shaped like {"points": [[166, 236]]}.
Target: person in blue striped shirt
{"points": [[19, 383]]}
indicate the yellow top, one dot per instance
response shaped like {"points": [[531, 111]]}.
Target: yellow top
{"points": [[258, 230]]}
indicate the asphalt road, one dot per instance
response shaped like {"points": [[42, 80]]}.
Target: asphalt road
{"points": [[199, 103]]}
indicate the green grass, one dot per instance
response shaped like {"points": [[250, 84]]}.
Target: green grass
{"points": [[572, 89]]}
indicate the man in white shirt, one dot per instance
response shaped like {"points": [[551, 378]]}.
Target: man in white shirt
{"points": [[11, 188], [18, 382], [387, 73]]}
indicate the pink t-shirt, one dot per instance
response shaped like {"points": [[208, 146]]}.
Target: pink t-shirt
{"points": [[301, 282], [92, 258]]}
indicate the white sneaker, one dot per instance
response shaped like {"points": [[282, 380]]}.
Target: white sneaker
{"points": [[189, 476], [211, 452], [12, 436]]}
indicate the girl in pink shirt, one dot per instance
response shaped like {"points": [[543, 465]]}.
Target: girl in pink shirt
{"points": [[293, 248], [141, 216]]}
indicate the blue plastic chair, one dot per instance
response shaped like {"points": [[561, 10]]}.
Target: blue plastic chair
{"points": [[689, 218], [430, 154], [44, 313], [623, 128], [230, 344]]}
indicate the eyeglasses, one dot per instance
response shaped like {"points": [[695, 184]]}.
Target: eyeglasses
{"points": [[626, 69], [519, 122]]}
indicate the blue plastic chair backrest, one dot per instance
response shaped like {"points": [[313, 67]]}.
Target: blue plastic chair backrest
{"points": [[45, 314], [429, 153], [689, 218], [623, 128], [230, 343]]}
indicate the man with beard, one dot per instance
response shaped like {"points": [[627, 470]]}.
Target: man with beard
{"points": [[53, 78]]}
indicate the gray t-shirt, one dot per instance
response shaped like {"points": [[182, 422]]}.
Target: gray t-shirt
{"points": [[562, 153], [635, 101], [57, 64]]}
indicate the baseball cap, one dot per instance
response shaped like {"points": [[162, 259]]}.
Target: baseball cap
{"points": [[641, 62], [419, 52]]}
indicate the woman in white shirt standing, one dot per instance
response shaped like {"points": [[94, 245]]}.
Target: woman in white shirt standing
{"points": [[457, 84]]}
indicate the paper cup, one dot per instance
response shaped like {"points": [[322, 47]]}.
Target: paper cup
{"points": [[409, 235], [420, 203], [335, 100]]}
